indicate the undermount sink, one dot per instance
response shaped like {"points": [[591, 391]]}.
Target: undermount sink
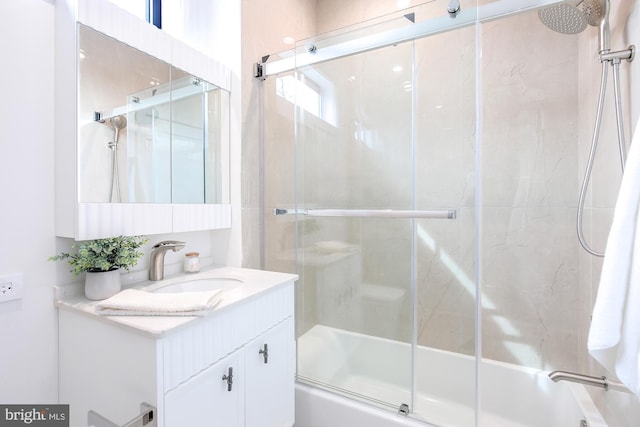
{"points": [[198, 285]]}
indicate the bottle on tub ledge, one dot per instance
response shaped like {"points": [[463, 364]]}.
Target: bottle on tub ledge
{"points": [[191, 262]]}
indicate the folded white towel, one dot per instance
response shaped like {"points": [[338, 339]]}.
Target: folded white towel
{"points": [[132, 302], [614, 336]]}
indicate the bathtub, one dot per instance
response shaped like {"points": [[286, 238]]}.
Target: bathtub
{"points": [[511, 395]]}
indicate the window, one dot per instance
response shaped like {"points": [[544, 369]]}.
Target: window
{"points": [[300, 94], [149, 10]]}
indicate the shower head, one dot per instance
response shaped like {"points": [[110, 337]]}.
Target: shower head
{"points": [[594, 11], [563, 18], [118, 123], [566, 18]]}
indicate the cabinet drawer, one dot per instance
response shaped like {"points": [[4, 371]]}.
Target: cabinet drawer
{"points": [[193, 349]]}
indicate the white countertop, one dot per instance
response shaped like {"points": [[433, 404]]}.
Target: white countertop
{"points": [[254, 282]]}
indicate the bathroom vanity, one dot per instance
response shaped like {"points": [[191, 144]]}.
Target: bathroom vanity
{"points": [[232, 367]]}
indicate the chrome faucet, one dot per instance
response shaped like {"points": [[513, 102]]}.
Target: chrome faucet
{"points": [[156, 262], [601, 382]]}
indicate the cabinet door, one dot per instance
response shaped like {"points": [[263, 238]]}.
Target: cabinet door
{"points": [[270, 380], [208, 400]]}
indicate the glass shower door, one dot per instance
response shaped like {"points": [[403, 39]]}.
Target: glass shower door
{"points": [[382, 155], [354, 161]]}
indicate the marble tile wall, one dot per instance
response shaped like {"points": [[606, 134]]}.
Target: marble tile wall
{"points": [[529, 252], [445, 178]]}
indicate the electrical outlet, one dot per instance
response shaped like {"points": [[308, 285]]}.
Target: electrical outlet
{"points": [[10, 287]]}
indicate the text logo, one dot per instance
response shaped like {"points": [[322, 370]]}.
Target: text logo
{"points": [[34, 415]]}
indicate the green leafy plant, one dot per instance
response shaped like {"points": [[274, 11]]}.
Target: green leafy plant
{"points": [[104, 254]]}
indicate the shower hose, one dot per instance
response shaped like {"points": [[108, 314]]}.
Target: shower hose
{"points": [[594, 143]]}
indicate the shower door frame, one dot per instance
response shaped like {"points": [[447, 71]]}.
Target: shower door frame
{"points": [[466, 17]]}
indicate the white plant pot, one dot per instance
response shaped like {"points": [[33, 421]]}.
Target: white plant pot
{"points": [[102, 284]]}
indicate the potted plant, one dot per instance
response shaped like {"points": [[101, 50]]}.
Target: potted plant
{"points": [[101, 260]]}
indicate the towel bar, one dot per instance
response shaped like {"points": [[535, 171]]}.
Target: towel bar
{"points": [[147, 418], [369, 213]]}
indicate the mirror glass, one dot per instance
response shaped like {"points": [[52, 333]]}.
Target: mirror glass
{"points": [[148, 132]]}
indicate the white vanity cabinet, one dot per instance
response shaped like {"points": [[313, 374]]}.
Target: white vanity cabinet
{"points": [[259, 394], [181, 366]]}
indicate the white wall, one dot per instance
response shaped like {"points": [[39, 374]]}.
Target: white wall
{"points": [[213, 26], [28, 327]]}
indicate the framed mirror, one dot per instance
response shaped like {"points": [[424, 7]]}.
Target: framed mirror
{"points": [[148, 132]]}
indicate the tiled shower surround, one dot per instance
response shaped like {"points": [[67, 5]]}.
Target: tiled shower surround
{"points": [[537, 92]]}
